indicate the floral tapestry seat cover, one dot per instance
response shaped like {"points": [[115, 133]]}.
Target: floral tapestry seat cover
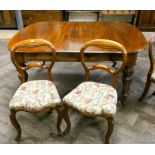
{"points": [[35, 96], [93, 98]]}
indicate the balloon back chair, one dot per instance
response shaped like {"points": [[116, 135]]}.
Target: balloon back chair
{"points": [[92, 98], [151, 72], [37, 95]]}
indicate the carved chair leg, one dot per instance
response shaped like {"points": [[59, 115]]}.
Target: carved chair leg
{"points": [[66, 118], [110, 122], [59, 120], [147, 86], [15, 124]]}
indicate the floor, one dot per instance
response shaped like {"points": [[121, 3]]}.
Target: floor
{"points": [[134, 123]]}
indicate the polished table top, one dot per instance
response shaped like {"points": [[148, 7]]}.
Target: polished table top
{"points": [[70, 36]]}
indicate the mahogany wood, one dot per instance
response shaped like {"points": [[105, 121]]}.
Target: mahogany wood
{"points": [[68, 37]]}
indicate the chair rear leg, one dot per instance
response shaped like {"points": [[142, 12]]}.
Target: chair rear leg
{"points": [[59, 120], [110, 122], [147, 86], [67, 120], [15, 124]]}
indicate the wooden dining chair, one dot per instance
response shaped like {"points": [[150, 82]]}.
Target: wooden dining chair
{"points": [[93, 98], [37, 95], [151, 72]]}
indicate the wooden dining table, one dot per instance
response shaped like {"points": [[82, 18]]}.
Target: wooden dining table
{"points": [[68, 37]]}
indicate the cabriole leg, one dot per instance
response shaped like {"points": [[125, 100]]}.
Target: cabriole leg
{"points": [[59, 120], [66, 118], [15, 124], [110, 122]]}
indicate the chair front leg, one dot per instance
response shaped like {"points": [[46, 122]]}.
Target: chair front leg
{"points": [[66, 118], [15, 124], [110, 122], [59, 120]]}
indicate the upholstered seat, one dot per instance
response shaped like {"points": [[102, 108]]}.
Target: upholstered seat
{"points": [[35, 96], [93, 98]]}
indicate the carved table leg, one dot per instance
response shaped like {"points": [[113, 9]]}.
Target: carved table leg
{"points": [[127, 78]]}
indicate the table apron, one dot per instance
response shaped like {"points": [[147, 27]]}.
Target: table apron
{"points": [[75, 57]]}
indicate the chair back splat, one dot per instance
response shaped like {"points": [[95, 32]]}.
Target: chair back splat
{"points": [[29, 44], [105, 45]]}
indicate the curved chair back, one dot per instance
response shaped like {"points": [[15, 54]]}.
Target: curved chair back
{"points": [[105, 45], [33, 43]]}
